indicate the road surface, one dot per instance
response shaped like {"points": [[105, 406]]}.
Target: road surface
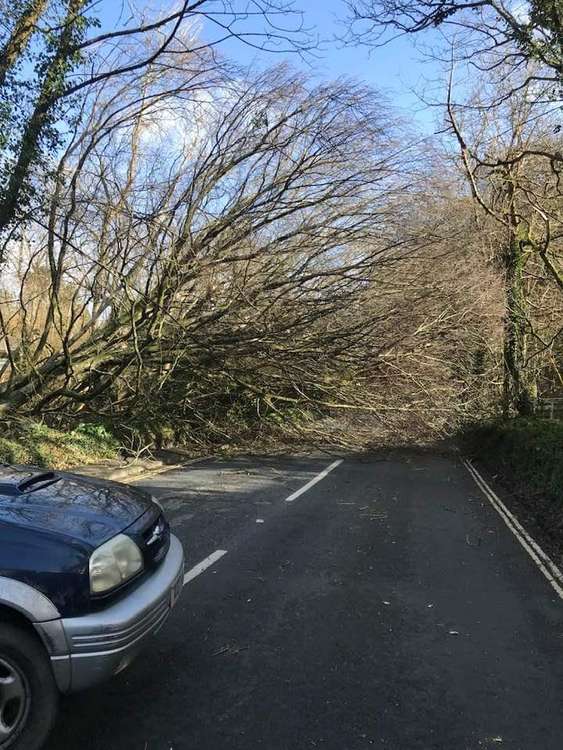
{"points": [[385, 606]]}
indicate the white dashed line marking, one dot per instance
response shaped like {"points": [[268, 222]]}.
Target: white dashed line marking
{"points": [[218, 554], [203, 565], [313, 481]]}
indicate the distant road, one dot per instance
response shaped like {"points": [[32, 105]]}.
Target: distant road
{"points": [[386, 605]]}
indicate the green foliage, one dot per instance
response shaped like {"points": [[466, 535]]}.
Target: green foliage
{"points": [[95, 438], [547, 16], [528, 450], [33, 90], [14, 452], [35, 443]]}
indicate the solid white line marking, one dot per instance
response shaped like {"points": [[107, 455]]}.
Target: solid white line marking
{"points": [[542, 560], [203, 565], [313, 481]]}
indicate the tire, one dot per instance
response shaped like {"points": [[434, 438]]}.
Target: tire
{"points": [[28, 693]]}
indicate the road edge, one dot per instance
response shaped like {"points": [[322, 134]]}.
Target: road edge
{"points": [[542, 560]]}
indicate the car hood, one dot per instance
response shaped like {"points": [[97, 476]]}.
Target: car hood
{"points": [[87, 510]]}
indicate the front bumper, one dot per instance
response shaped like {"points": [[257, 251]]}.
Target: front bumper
{"points": [[101, 644]]}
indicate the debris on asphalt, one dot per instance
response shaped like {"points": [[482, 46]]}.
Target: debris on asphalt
{"points": [[230, 648]]}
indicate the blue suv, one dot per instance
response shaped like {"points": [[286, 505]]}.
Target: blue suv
{"points": [[88, 570]]}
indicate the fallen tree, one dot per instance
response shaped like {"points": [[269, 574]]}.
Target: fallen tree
{"points": [[243, 237], [261, 252]]}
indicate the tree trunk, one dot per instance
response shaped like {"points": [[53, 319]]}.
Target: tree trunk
{"points": [[520, 388], [51, 89], [20, 36]]}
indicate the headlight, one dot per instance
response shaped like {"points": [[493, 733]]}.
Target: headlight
{"points": [[114, 563]]}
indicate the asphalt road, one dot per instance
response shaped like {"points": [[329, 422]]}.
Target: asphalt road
{"points": [[386, 606]]}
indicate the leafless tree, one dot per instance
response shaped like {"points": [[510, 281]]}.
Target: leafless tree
{"points": [[70, 58], [507, 61], [190, 226], [513, 167], [525, 36]]}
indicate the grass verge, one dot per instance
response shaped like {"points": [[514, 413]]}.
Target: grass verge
{"points": [[526, 455], [29, 442]]}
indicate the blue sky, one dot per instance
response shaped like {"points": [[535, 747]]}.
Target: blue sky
{"points": [[397, 70]]}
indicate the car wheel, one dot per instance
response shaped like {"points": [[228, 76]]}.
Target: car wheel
{"points": [[28, 693]]}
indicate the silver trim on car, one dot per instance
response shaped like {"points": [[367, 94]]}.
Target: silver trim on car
{"points": [[27, 600]]}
